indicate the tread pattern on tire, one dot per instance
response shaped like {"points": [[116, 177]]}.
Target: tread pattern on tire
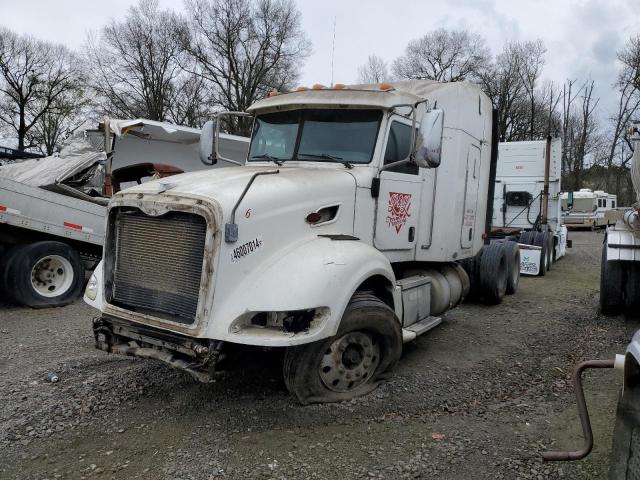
{"points": [[493, 273]]}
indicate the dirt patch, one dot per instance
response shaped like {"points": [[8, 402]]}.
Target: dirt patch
{"points": [[479, 397]]}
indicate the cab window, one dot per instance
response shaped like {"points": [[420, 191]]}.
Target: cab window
{"points": [[398, 146]]}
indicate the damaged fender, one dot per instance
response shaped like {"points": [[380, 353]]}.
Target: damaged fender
{"points": [[320, 274]]}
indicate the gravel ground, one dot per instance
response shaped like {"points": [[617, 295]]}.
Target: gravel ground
{"points": [[480, 397]]}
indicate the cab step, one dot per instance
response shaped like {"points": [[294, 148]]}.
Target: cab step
{"points": [[418, 328]]}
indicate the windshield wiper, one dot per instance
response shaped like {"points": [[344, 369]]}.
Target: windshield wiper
{"points": [[326, 156], [266, 156]]}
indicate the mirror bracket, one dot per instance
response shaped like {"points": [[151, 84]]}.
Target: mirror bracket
{"points": [[212, 157]]}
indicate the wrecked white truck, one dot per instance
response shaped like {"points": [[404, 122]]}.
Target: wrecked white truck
{"points": [[338, 240]]}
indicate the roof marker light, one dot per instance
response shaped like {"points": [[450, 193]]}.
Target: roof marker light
{"points": [[301, 89], [339, 86], [274, 93], [385, 86], [317, 86]]}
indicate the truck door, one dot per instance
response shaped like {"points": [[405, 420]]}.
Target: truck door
{"points": [[399, 198], [470, 197]]}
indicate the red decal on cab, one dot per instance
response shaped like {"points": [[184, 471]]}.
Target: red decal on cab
{"points": [[398, 210]]}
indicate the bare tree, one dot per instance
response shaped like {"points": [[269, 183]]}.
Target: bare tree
{"points": [[502, 82], [65, 115], [581, 135], [373, 71], [443, 55], [532, 62], [244, 49], [135, 64], [34, 78]]}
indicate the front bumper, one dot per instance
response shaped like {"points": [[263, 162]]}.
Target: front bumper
{"points": [[198, 357]]}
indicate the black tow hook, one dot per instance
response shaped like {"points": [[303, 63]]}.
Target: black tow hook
{"points": [[582, 412]]}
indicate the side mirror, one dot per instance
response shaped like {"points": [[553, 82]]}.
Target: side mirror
{"points": [[208, 141], [430, 148]]}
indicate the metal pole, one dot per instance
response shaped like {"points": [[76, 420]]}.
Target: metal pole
{"points": [[493, 165], [545, 192], [582, 412]]}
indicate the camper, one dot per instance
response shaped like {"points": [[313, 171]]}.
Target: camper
{"points": [[588, 209], [341, 238]]}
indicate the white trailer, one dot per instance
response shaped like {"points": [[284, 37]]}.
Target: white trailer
{"points": [[588, 209], [338, 240], [524, 168], [52, 210]]}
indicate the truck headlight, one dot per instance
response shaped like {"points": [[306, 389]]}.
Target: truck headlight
{"points": [[92, 288]]}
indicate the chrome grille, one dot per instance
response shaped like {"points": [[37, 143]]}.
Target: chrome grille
{"points": [[157, 263]]}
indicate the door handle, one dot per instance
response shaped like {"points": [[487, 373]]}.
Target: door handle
{"points": [[412, 233]]}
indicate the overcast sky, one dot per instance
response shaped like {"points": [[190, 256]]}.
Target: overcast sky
{"points": [[581, 36]]}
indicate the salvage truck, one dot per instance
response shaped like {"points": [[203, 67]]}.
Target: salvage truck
{"points": [[340, 238], [52, 210]]}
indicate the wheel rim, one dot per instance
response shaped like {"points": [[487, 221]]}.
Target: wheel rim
{"points": [[349, 361], [52, 276]]}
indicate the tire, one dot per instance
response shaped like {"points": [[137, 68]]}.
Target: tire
{"points": [[493, 273], [625, 451], [540, 240], [6, 291], [631, 286], [526, 238], [611, 285], [471, 266], [512, 251], [313, 373], [550, 249], [45, 274]]}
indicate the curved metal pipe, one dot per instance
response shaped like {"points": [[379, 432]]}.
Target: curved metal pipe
{"points": [[582, 412]]}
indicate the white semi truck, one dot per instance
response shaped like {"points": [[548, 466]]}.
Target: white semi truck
{"points": [[338, 240], [53, 210], [527, 202]]}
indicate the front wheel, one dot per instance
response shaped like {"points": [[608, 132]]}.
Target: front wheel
{"points": [[353, 362]]}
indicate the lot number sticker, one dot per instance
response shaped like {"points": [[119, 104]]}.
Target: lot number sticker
{"points": [[246, 249]]}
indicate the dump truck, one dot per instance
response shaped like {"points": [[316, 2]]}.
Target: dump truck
{"points": [[53, 209], [350, 230], [527, 202]]}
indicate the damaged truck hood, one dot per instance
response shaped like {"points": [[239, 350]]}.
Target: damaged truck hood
{"points": [[290, 189]]}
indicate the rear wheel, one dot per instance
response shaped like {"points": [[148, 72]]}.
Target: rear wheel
{"points": [[611, 285], [45, 274], [512, 251], [353, 362], [540, 240], [493, 273]]}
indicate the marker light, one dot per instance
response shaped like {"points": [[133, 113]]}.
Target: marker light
{"points": [[274, 93], [339, 86], [301, 89], [317, 86], [385, 86]]}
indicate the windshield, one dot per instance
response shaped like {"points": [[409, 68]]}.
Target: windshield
{"points": [[316, 135], [586, 205]]}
